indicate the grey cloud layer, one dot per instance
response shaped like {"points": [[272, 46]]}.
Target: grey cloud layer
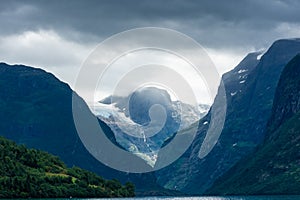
{"points": [[217, 24]]}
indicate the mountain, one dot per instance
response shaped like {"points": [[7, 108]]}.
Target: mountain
{"points": [[250, 89], [131, 114], [36, 110], [36, 174], [274, 168]]}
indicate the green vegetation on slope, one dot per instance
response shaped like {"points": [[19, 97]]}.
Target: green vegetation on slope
{"points": [[36, 110], [274, 168], [33, 173]]}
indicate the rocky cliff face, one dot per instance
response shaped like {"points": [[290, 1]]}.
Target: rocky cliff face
{"points": [[287, 97], [274, 168], [250, 90]]}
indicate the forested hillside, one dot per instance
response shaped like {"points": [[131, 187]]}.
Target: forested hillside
{"points": [[33, 173]]}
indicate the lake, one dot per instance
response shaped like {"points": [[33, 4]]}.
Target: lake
{"points": [[220, 198], [289, 197]]}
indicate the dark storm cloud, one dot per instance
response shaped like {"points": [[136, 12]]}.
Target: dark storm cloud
{"points": [[217, 24]]}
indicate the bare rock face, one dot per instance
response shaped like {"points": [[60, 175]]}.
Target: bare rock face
{"points": [[250, 90]]}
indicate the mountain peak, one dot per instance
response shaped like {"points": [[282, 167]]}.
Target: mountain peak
{"points": [[288, 40], [273, 168], [280, 49]]}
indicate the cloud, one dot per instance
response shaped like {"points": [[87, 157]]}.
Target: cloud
{"points": [[222, 24], [44, 49], [59, 35], [225, 60]]}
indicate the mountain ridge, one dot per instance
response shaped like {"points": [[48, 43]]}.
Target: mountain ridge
{"points": [[247, 113], [37, 111], [274, 166], [250, 90]]}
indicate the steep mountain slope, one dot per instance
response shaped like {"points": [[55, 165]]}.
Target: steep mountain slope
{"points": [[250, 90], [130, 114], [32, 173], [274, 168], [36, 110]]}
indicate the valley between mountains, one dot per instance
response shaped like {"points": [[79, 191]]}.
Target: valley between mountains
{"points": [[257, 153]]}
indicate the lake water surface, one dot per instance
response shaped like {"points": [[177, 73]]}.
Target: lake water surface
{"points": [[201, 198], [220, 198]]}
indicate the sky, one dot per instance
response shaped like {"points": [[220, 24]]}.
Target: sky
{"points": [[59, 35]]}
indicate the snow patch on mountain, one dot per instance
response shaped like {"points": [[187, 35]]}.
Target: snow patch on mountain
{"points": [[145, 147], [233, 93], [242, 71]]}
